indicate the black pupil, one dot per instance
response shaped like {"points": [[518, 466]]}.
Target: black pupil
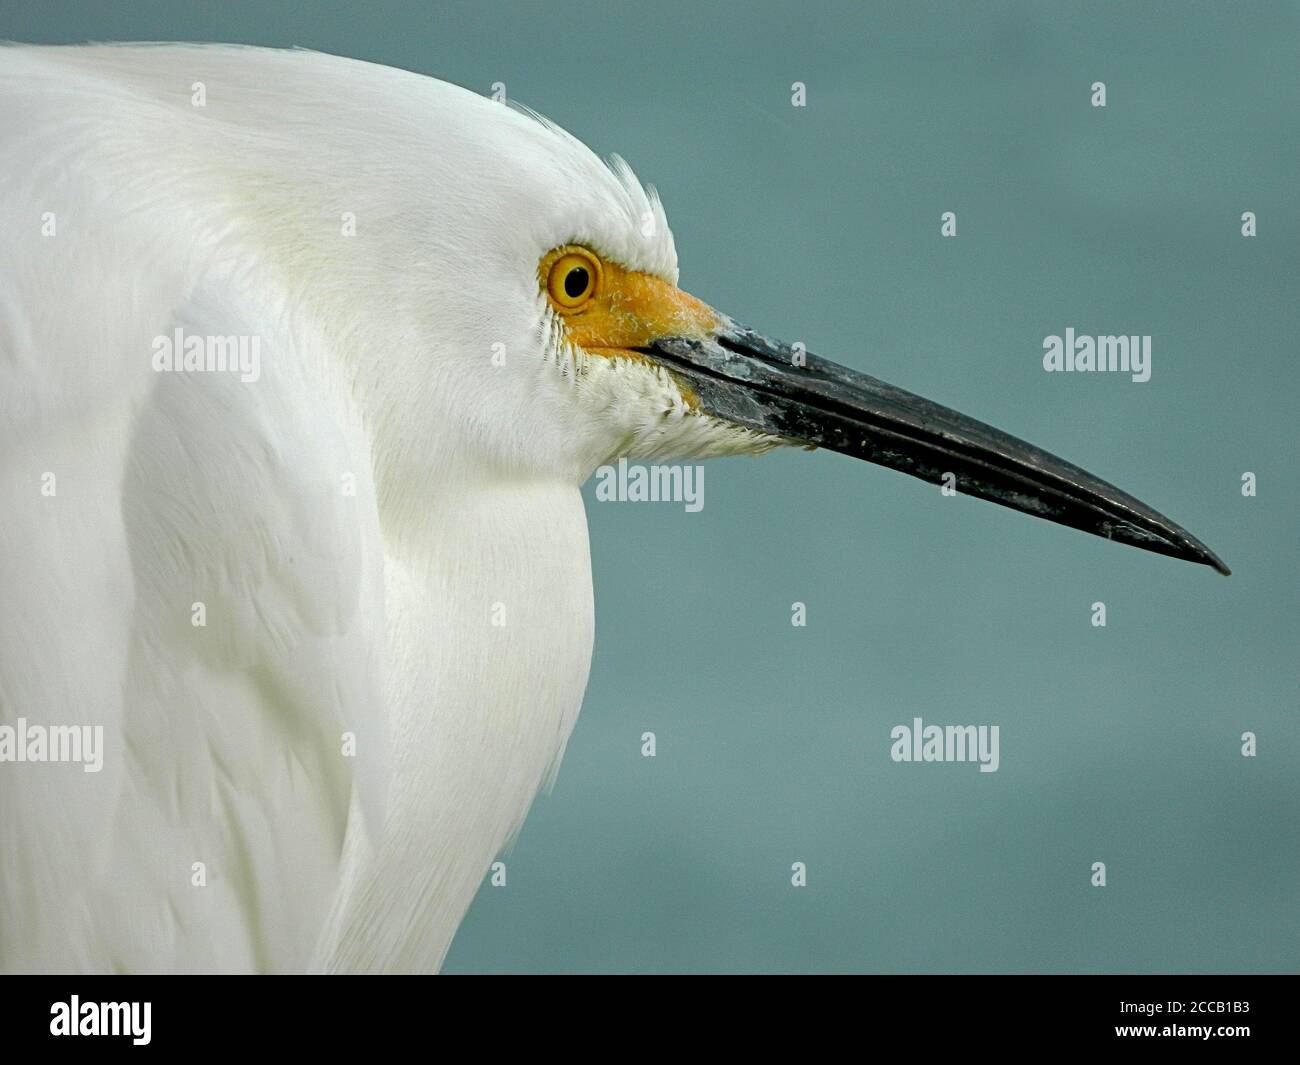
{"points": [[576, 282]]}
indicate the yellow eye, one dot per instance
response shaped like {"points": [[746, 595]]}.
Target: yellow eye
{"points": [[573, 279]]}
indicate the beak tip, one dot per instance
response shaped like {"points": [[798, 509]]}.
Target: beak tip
{"points": [[1198, 552]]}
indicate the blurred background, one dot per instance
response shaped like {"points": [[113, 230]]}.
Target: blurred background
{"points": [[822, 224]]}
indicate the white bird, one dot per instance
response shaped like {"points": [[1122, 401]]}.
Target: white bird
{"points": [[333, 606]]}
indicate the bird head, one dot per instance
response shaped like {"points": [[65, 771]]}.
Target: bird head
{"points": [[541, 301]]}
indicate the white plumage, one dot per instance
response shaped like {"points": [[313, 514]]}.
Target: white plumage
{"points": [[352, 522], [334, 612]]}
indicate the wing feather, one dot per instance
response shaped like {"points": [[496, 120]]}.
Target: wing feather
{"points": [[177, 498]]}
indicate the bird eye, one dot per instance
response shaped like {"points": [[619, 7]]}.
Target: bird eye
{"points": [[572, 279]]}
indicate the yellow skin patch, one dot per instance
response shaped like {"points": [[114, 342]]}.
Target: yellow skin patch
{"points": [[609, 311], [622, 309]]}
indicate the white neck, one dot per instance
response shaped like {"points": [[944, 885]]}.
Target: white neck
{"points": [[490, 625]]}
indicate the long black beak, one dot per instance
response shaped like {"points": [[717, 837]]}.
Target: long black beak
{"points": [[765, 385]]}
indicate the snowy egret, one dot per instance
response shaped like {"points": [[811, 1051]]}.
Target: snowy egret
{"points": [[304, 361]]}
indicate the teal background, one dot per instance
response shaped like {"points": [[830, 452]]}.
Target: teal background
{"points": [[821, 224]]}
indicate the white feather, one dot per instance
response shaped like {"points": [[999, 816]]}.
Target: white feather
{"points": [[326, 612]]}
